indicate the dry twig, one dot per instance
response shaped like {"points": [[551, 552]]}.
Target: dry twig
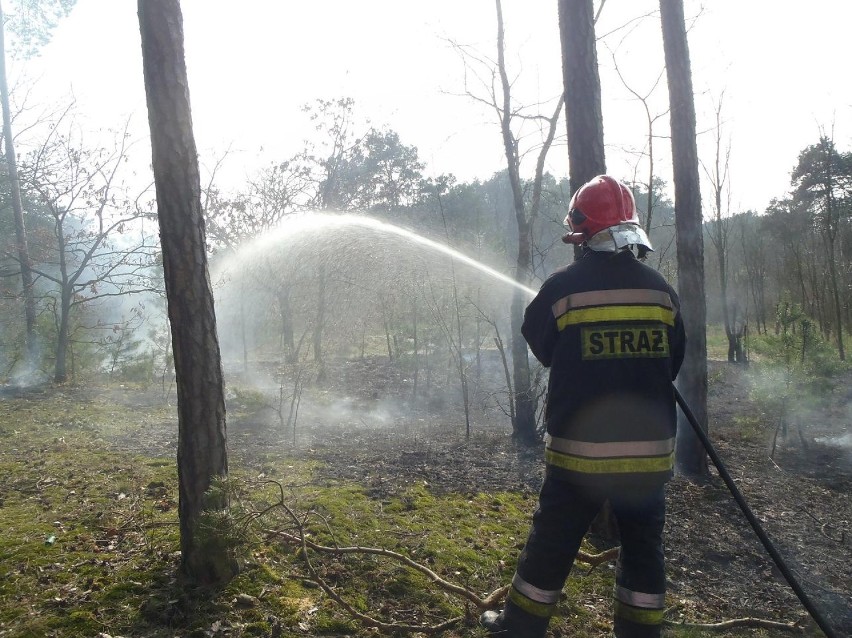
{"points": [[725, 625], [491, 601]]}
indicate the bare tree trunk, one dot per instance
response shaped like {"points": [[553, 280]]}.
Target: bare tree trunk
{"points": [[320, 322], [692, 459], [415, 348], [582, 90], [60, 372], [202, 452], [287, 332], [584, 122], [835, 293], [524, 426], [243, 336], [18, 208]]}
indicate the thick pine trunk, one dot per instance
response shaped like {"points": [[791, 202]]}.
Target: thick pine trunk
{"points": [[692, 381], [584, 121], [202, 454], [582, 87]]}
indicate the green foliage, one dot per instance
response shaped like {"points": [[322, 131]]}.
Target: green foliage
{"points": [[33, 22], [796, 360], [717, 343], [247, 399]]}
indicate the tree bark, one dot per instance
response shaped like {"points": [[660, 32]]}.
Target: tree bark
{"points": [[586, 156], [18, 209], [202, 453], [524, 426], [582, 90], [692, 381]]}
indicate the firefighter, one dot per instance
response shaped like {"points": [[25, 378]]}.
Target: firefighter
{"points": [[609, 328]]}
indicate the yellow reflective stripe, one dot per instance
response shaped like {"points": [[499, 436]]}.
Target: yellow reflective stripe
{"points": [[623, 465], [532, 592], [640, 599], [637, 615], [615, 313], [612, 297], [610, 449], [543, 610]]}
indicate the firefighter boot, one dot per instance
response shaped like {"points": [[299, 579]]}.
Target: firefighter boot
{"points": [[497, 625], [490, 620]]}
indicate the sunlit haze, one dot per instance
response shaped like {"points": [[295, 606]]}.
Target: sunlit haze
{"points": [[253, 64]]}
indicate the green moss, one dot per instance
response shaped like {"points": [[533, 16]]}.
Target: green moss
{"points": [[751, 427], [115, 562]]}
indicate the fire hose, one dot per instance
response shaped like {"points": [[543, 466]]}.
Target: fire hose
{"points": [[755, 524]]}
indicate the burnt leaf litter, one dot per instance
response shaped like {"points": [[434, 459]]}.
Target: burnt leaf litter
{"points": [[89, 508]]}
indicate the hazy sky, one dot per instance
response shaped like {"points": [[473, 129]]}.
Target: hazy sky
{"points": [[253, 63]]}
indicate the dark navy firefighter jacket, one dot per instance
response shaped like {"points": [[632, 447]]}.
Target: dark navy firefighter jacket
{"points": [[610, 330]]}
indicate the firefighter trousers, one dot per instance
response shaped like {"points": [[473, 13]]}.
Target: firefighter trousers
{"points": [[564, 513]]}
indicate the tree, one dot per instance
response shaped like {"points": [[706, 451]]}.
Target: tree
{"points": [[33, 29], [80, 190], [823, 184], [719, 233], [651, 198], [582, 91], [755, 263], [524, 427], [584, 121], [202, 451], [692, 459], [271, 195]]}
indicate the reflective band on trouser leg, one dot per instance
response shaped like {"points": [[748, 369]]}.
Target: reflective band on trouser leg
{"points": [[637, 614], [531, 599]]}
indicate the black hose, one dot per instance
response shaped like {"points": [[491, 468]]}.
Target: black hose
{"points": [[755, 524]]}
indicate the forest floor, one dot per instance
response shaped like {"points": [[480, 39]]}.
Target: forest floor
{"points": [[365, 436], [717, 568]]}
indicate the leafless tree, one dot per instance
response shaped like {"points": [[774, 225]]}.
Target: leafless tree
{"points": [[495, 92], [718, 176], [98, 247]]}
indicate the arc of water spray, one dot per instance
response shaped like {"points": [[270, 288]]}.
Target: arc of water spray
{"points": [[375, 224]]}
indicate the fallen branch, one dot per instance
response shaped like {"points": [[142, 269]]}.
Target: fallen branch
{"points": [[369, 621], [491, 601], [593, 560], [822, 529], [378, 551], [753, 623], [488, 602]]}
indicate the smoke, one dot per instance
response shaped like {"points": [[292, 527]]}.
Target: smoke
{"points": [[844, 441]]}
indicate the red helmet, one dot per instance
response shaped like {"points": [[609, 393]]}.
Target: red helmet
{"points": [[599, 204]]}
